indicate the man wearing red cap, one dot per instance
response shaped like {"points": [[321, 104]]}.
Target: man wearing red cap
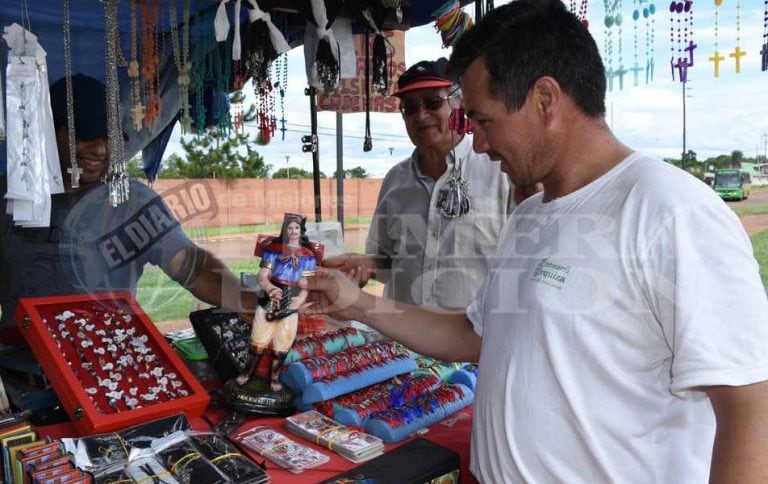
{"points": [[440, 211]]}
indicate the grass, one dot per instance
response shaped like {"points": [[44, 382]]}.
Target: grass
{"points": [[754, 209], [261, 228], [163, 300], [760, 245]]}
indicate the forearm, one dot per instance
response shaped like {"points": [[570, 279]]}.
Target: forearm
{"points": [[742, 434], [209, 280], [445, 336]]}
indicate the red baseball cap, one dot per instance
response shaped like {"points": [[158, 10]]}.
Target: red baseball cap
{"points": [[423, 75]]}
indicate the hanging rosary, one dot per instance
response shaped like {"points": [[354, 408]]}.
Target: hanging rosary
{"points": [[717, 57], [73, 170], [764, 50], [117, 173], [150, 61], [737, 53], [181, 59], [137, 107], [636, 69], [453, 198], [581, 13], [650, 39], [281, 74], [681, 14], [613, 20]]}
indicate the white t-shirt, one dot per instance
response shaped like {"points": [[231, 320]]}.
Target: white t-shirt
{"points": [[606, 312]]}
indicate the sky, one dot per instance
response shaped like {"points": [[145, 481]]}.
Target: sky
{"points": [[723, 114]]}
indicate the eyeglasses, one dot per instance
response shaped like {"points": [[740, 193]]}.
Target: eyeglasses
{"points": [[431, 102]]}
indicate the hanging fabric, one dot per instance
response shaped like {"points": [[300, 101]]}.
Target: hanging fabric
{"points": [[325, 59]]}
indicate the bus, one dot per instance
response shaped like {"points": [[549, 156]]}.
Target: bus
{"points": [[732, 184]]}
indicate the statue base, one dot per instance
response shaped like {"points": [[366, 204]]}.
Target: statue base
{"points": [[256, 397]]}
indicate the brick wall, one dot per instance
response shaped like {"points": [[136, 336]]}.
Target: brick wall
{"points": [[247, 201]]}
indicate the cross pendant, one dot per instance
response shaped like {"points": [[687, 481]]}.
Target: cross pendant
{"points": [[74, 172], [764, 53]]}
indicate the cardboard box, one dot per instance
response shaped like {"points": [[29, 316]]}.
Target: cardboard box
{"points": [[107, 361]]}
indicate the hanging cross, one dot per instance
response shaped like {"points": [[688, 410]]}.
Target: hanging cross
{"points": [[74, 172], [137, 114], [672, 66], [737, 54], [649, 71], [620, 74], [636, 70], [716, 58], [764, 53], [689, 49], [610, 75], [282, 127], [682, 69]]}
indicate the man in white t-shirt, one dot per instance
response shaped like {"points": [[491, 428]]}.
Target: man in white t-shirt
{"points": [[622, 332]]}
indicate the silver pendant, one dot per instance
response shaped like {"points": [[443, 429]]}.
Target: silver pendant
{"points": [[453, 198]]}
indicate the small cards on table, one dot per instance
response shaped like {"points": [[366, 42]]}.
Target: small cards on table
{"points": [[280, 449], [351, 444]]}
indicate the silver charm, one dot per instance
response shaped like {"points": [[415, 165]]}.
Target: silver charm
{"points": [[453, 197]]}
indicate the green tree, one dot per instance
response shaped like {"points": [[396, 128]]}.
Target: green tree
{"points": [[214, 154], [294, 173], [356, 172], [136, 167], [737, 157]]}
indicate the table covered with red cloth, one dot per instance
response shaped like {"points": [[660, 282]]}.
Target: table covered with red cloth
{"points": [[453, 433]]}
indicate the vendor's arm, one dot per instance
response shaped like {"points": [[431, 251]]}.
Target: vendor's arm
{"points": [[209, 280], [360, 267], [442, 335], [741, 438]]}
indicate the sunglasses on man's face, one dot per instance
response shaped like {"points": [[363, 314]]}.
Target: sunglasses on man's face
{"points": [[431, 102]]}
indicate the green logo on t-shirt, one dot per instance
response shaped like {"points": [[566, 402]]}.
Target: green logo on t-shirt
{"points": [[551, 273]]}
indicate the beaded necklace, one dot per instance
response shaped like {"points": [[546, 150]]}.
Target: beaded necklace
{"points": [[650, 39], [717, 57], [73, 170], [137, 107], [150, 61], [181, 59], [580, 12], [764, 50], [613, 21], [737, 53], [116, 176], [681, 15]]}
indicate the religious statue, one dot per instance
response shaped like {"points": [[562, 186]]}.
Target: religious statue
{"points": [[286, 262]]}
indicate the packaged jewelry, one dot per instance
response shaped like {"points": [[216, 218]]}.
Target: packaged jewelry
{"points": [[280, 449], [180, 455], [224, 455]]}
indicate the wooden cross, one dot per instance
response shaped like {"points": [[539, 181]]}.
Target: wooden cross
{"points": [[716, 58], [74, 172], [764, 53], [737, 54], [636, 70]]}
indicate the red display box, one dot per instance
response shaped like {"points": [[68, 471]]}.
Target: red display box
{"points": [[107, 362]]}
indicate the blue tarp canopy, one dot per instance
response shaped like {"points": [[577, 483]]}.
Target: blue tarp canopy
{"points": [[87, 31]]}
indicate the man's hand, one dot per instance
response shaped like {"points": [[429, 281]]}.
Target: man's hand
{"points": [[333, 293], [358, 267]]}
